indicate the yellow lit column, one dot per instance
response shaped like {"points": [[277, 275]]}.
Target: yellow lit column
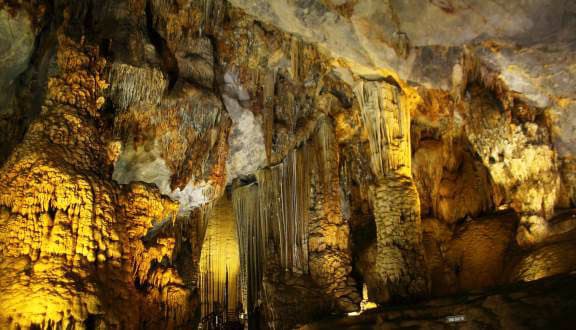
{"points": [[400, 260]]}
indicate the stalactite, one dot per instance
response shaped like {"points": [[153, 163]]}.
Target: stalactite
{"points": [[296, 59], [272, 219], [133, 85], [388, 126], [251, 242], [284, 201], [268, 112], [192, 129], [400, 261], [213, 16]]}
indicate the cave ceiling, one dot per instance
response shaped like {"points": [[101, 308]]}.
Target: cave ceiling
{"points": [[174, 164]]}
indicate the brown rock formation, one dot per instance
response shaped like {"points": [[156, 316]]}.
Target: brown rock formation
{"points": [[417, 150], [525, 306], [400, 258], [71, 234]]}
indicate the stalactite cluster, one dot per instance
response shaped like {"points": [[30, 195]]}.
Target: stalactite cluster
{"points": [[388, 124], [284, 202], [180, 123], [173, 164], [252, 235], [134, 85], [272, 216]]}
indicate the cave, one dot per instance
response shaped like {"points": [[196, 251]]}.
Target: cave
{"points": [[294, 164]]}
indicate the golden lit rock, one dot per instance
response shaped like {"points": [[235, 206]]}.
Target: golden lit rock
{"points": [[250, 164]]}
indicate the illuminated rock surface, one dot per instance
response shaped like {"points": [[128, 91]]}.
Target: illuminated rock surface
{"points": [[169, 164]]}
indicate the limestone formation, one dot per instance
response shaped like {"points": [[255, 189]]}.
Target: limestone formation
{"points": [[520, 161], [250, 164], [329, 246], [70, 232], [400, 259]]}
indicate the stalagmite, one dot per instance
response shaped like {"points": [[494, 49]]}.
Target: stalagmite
{"points": [[220, 263], [72, 233], [330, 258], [400, 261]]}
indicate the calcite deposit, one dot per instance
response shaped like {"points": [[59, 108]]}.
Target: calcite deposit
{"points": [[251, 164]]}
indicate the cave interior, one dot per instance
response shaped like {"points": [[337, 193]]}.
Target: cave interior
{"points": [[297, 164]]}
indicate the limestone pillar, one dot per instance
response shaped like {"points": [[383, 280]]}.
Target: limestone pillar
{"points": [[400, 260]]}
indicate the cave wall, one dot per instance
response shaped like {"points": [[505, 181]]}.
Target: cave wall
{"points": [[71, 232], [419, 168]]}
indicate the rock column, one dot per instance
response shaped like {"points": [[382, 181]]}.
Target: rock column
{"points": [[400, 260]]}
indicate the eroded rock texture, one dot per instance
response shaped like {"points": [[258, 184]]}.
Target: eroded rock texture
{"points": [[516, 151], [73, 235], [419, 149]]}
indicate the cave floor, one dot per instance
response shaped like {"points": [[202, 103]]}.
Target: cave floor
{"points": [[548, 303]]}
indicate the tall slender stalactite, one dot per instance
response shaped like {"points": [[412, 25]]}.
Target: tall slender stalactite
{"points": [[251, 229], [400, 259], [272, 218], [284, 202]]}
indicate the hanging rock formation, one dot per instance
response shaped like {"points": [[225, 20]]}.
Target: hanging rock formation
{"points": [[173, 164]]}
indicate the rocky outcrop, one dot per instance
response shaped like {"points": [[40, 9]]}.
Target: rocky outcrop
{"points": [[519, 158], [542, 304], [417, 149], [21, 77], [291, 294], [70, 232]]}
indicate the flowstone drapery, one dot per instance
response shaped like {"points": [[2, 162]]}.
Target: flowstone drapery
{"points": [[252, 237], [291, 218], [272, 223]]}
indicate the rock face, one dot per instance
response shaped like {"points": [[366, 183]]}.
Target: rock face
{"points": [[175, 163], [519, 160], [542, 304], [68, 230], [17, 35]]}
